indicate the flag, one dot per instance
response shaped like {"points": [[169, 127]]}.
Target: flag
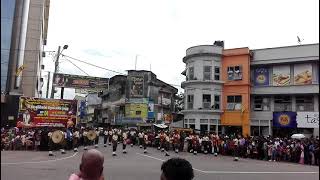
{"points": [[19, 70]]}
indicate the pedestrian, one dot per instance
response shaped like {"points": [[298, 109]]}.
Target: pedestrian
{"points": [[176, 169], [91, 166]]}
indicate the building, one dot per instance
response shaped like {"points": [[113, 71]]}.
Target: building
{"points": [[93, 104], [272, 91], [203, 87], [285, 81], [137, 98], [24, 26]]}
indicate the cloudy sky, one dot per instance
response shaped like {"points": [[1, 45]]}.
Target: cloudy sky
{"points": [[112, 33]]}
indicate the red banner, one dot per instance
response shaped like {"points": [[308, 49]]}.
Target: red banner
{"points": [[36, 112]]}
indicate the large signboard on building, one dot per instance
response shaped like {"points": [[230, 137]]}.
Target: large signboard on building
{"points": [[302, 74], [281, 75], [136, 86], [151, 110], [36, 112], [284, 119], [261, 76], [308, 119], [136, 111], [80, 82]]}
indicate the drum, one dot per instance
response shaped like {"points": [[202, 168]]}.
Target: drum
{"points": [[91, 135], [57, 137]]}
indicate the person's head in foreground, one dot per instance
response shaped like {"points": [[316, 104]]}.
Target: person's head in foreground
{"points": [[91, 167], [176, 169]]}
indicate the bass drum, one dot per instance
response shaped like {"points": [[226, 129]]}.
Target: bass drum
{"points": [[91, 135], [58, 137]]}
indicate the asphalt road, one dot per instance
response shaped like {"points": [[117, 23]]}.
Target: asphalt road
{"points": [[31, 165]]}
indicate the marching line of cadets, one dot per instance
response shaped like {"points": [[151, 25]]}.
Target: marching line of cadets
{"points": [[162, 140]]}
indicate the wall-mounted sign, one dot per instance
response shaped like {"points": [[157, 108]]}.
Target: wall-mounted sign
{"points": [[281, 76], [308, 119], [302, 74], [82, 82], [151, 110], [261, 76], [285, 119], [136, 86]]}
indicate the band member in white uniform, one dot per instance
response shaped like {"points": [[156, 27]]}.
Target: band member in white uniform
{"points": [[167, 144], [140, 136], [145, 142], [105, 137], [119, 131], [76, 138], [97, 138], [124, 142], [50, 144], [110, 136], [176, 141], [114, 143], [205, 143], [235, 150]]}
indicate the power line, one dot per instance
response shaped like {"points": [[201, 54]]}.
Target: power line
{"points": [[78, 67], [93, 64]]}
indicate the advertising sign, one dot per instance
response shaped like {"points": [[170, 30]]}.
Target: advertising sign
{"points": [[136, 86], [82, 82], [36, 112], [308, 119], [82, 109], [281, 76], [261, 77], [151, 110], [136, 110], [302, 74], [285, 119]]}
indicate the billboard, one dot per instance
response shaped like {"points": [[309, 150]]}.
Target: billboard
{"points": [[281, 75], [81, 82], [308, 119], [136, 86], [151, 110], [302, 74], [285, 119], [261, 77], [36, 112], [136, 111]]}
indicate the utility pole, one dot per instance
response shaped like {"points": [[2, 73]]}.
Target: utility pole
{"points": [[48, 83], [56, 66]]}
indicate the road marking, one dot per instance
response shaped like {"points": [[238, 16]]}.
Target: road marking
{"points": [[239, 172], [34, 162]]}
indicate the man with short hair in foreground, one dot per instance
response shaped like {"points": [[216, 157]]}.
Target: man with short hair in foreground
{"points": [[91, 167], [176, 169]]}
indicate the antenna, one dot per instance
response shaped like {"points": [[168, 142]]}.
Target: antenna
{"points": [[135, 64], [299, 40], [150, 67]]}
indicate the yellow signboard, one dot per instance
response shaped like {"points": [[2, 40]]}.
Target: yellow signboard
{"points": [[136, 110]]}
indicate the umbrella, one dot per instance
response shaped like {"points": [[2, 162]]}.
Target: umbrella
{"points": [[298, 136]]}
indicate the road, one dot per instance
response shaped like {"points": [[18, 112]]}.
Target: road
{"points": [[31, 165]]}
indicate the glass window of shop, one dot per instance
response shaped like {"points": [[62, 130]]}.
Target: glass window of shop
{"points": [[261, 103], [304, 103], [7, 14], [282, 103]]}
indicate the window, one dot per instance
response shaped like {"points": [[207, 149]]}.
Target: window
{"points": [[138, 113], [192, 121], [191, 73], [234, 73], [212, 128], [304, 103], [217, 102], [190, 102], [261, 103], [203, 121], [185, 125], [216, 73], [206, 101], [207, 73], [234, 102], [192, 126], [203, 128], [282, 103]]}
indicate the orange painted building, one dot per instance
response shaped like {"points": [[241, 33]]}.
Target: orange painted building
{"points": [[236, 90]]}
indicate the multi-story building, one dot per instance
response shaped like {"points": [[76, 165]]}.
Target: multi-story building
{"points": [[24, 26], [273, 91], [203, 87], [137, 98], [285, 82]]}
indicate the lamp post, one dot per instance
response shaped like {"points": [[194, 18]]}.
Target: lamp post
{"points": [[56, 66]]}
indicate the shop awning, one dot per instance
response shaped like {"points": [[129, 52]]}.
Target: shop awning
{"points": [[161, 126]]}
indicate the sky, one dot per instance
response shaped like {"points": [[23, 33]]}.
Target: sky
{"points": [[114, 33]]}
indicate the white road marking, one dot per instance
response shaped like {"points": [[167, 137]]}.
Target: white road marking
{"points": [[34, 162], [240, 172]]}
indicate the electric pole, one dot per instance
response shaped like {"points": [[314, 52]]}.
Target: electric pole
{"points": [[56, 66], [48, 83]]}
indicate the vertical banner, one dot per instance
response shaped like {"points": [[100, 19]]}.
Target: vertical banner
{"points": [[136, 86], [261, 76], [281, 75], [285, 119], [151, 110], [302, 74]]}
